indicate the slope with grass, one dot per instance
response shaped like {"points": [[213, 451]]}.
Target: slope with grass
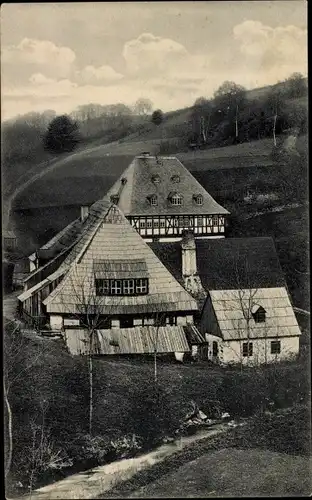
{"points": [[234, 473]]}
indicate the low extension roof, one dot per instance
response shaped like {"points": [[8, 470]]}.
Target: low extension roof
{"points": [[137, 340], [228, 263], [137, 184]]}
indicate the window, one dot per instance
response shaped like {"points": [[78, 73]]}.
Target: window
{"points": [[156, 224], [215, 350], [275, 347], [142, 224], [162, 223], [221, 220], [175, 178], [114, 198], [126, 322], [155, 179], [141, 286], [153, 200], [116, 287], [247, 349], [215, 220], [198, 199], [199, 221], [102, 287], [128, 287], [149, 224], [121, 287], [258, 313], [176, 199]]}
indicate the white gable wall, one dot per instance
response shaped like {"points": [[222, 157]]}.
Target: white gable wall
{"points": [[232, 350]]}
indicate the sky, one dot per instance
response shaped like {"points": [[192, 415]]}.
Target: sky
{"points": [[62, 55]]}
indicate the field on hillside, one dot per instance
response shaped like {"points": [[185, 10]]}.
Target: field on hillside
{"points": [[234, 473]]}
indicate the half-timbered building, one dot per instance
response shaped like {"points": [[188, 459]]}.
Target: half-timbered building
{"points": [[161, 199]]}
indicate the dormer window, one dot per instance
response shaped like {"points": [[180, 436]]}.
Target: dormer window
{"points": [[121, 287], [114, 198], [175, 178], [156, 179], [175, 198], [153, 199], [123, 181], [258, 313], [198, 198]]}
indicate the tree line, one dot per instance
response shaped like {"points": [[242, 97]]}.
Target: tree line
{"points": [[231, 116]]}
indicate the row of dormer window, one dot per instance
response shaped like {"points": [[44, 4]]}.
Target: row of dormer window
{"points": [[175, 199], [174, 178]]}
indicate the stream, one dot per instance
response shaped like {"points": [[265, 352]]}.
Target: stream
{"points": [[91, 483]]}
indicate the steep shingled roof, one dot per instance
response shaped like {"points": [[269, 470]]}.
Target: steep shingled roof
{"points": [[139, 184], [280, 320], [228, 262], [109, 236]]}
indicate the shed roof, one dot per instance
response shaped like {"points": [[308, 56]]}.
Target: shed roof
{"points": [[227, 263], [110, 237], [280, 320], [140, 185], [137, 340]]}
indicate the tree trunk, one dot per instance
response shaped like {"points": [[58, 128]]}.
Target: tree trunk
{"points": [[236, 122], [202, 120], [90, 393], [10, 431], [274, 127], [155, 366]]}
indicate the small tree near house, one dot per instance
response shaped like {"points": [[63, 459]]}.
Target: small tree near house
{"points": [[15, 368], [89, 304]]}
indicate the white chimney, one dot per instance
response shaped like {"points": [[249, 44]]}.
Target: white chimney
{"points": [[188, 245], [192, 281], [84, 212]]}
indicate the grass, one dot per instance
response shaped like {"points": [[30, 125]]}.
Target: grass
{"points": [[234, 473], [240, 462]]}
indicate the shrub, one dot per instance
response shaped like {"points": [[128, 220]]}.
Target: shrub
{"points": [[284, 431]]}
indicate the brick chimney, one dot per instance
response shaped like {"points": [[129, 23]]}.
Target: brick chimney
{"points": [[84, 212], [190, 275]]}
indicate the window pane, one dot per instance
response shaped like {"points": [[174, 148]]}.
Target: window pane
{"points": [[128, 287], [247, 349], [141, 286], [199, 221], [275, 347], [116, 287]]}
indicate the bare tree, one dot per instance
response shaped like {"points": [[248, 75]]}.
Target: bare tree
{"points": [[14, 353], [89, 302]]}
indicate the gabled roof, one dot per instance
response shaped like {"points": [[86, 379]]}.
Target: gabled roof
{"points": [[109, 236], [136, 340], [228, 263], [280, 320], [140, 184]]}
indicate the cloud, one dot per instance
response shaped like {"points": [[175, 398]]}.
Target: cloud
{"points": [[149, 53], [103, 74], [277, 51], [40, 53]]}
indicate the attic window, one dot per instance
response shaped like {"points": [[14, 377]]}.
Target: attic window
{"points": [[114, 198], [153, 199], [156, 179], [258, 313], [121, 286], [198, 198], [175, 199], [123, 181], [175, 178]]}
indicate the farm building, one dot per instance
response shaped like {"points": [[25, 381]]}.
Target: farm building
{"points": [[112, 282], [247, 314], [161, 199], [152, 255]]}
